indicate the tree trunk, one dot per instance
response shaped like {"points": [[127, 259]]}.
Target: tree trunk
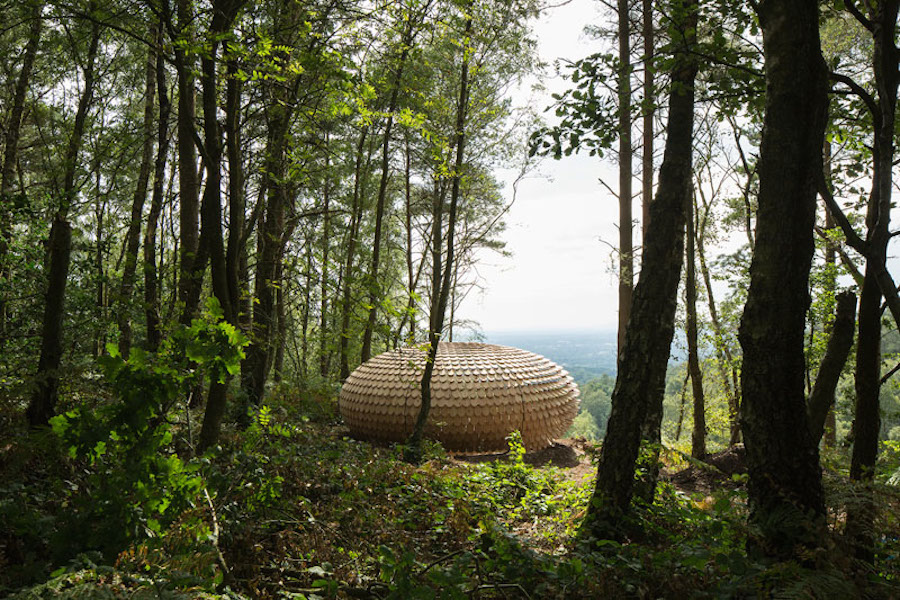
{"points": [[254, 369], [224, 13], [698, 436], [642, 366], [281, 324], [830, 433], [101, 300], [374, 284], [626, 246], [323, 289], [785, 488], [649, 111], [151, 284], [11, 154], [440, 287], [723, 352], [236, 251], [188, 180], [133, 235], [821, 400], [867, 422], [46, 392], [43, 400], [271, 237], [352, 235]]}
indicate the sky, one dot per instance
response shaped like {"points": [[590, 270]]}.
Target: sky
{"points": [[561, 274]]}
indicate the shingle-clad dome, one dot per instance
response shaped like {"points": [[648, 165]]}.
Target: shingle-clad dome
{"points": [[480, 393]]}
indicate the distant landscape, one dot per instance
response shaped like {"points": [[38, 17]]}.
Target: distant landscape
{"points": [[586, 355]]}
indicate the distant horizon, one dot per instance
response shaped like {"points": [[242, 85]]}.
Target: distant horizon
{"points": [[549, 331]]}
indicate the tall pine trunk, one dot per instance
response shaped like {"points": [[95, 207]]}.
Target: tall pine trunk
{"points": [[224, 13], [649, 110]]}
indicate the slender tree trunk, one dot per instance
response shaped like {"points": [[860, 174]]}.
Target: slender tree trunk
{"points": [[151, 283], [133, 235], [830, 437], [410, 278], [642, 366], [224, 13], [867, 423], [353, 234], [11, 155], [99, 274], [254, 369], [683, 396], [281, 324], [626, 246], [726, 361], [649, 111], [271, 235], [304, 316], [698, 437], [840, 341], [236, 251], [785, 488], [374, 285], [46, 389], [441, 279], [323, 289], [188, 180]]}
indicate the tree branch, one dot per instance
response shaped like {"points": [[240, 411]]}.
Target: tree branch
{"points": [[857, 89], [851, 7]]}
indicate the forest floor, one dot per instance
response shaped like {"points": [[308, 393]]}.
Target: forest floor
{"points": [[295, 508]]}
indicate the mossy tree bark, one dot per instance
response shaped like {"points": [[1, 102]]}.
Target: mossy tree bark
{"points": [[785, 487]]}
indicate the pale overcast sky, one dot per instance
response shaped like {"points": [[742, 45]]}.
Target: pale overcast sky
{"points": [[560, 276]]}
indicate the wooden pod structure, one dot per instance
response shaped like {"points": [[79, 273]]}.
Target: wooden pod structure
{"points": [[480, 393]]}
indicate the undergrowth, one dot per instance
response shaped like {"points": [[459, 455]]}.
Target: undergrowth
{"points": [[293, 508]]}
